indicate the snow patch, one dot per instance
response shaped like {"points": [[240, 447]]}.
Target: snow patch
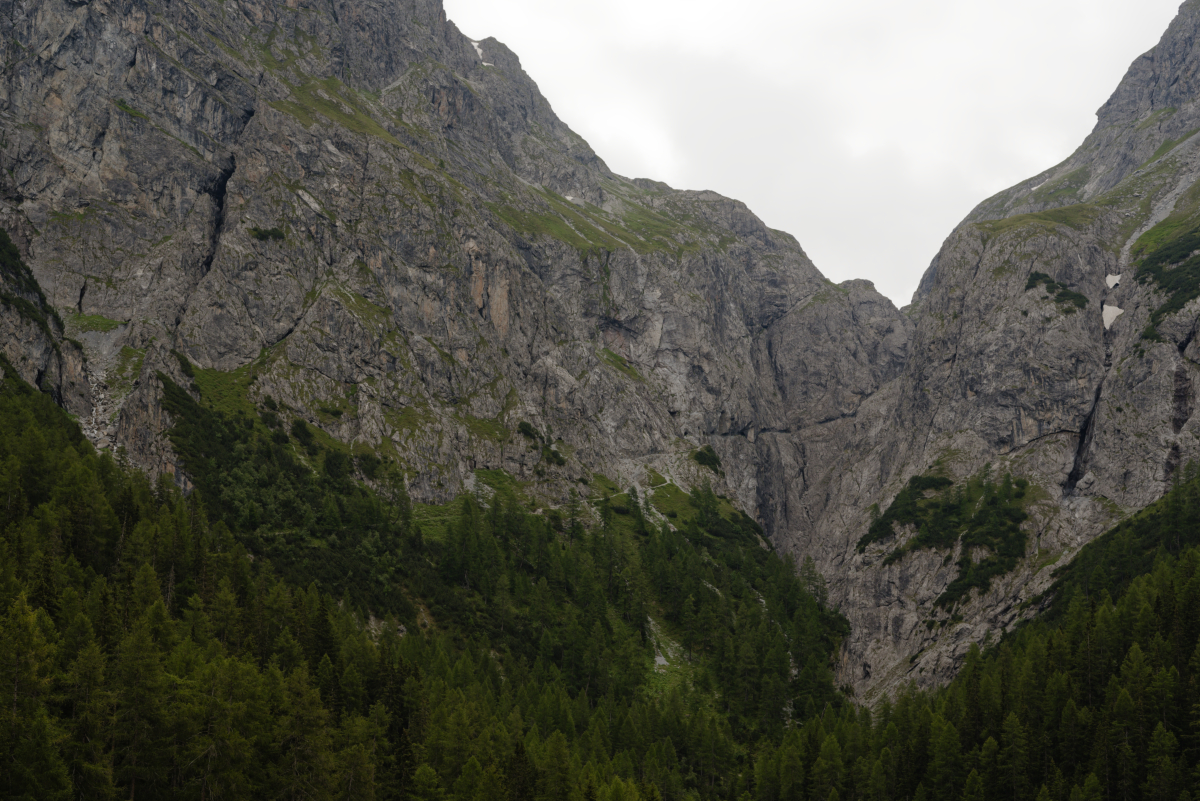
{"points": [[1110, 313], [1112, 280], [478, 50]]}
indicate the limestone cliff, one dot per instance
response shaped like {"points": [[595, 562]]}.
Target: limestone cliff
{"points": [[352, 209], [353, 212], [1054, 340]]}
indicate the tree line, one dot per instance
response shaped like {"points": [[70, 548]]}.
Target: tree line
{"points": [[296, 634]]}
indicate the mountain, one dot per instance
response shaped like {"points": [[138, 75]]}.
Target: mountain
{"points": [[1094, 698], [303, 636], [1053, 341], [353, 218], [386, 224]]}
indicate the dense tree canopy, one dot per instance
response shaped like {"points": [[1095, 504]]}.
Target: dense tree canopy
{"points": [[1097, 698], [161, 645], [289, 630]]}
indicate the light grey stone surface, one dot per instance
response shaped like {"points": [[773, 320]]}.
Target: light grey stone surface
{"points": [[455, 260]]}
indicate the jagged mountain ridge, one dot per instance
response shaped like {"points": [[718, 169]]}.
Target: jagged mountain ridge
{"points": [[386, 225], [355, 210], [1015, 366], [449, 253]]}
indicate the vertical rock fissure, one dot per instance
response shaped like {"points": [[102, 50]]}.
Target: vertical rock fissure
{"points": [[217, 191], [1085, 433], [1181, 399], [1187, 341]]}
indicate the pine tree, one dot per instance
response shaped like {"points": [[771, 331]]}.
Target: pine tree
{"points": [[91, 720], [35, 768], [813, 581], [973, 789], [426, 785], [554, 780], [1162, 782], [1013, 758], [522, 776], [945, 759], [827, 769], [140, 708], [791, 774]]}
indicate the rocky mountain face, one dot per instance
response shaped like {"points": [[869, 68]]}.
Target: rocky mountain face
{"points": [[357, 212], [1054, 341], [352, 211], [386, 226]]}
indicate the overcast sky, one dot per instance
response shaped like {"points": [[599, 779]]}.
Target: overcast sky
{"points": [[867, 130]]}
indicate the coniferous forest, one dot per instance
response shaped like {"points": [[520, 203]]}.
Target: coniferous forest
{"points": [[153, 650], [288, 630]]}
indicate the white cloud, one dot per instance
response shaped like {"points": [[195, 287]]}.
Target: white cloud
{"points": [[867, 130]]}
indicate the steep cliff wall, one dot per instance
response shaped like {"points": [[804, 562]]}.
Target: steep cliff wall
{"points": [[1047, 344], [352, 210]]}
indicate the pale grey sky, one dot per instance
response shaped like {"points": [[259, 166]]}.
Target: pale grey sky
{"points": [[867, 130]]}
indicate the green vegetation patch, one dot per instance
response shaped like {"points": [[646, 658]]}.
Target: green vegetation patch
{"points": [[227, 392], [434, 520], [491, 430], [1067, 186], [532, 223], [1168, 263], [1067, 298], [130, 110], [654, 226], [603, 485], [126, 370], [1158, 116], [366, 311], [673, 503], [504, 484], [589, 230], [550, 455], [266, 234], [909, 506], [336, 102], [1077, 217], [979, 514], [335, 408], [707, 457], [680, 507], [93, 322], [1169, 145], [411, 418], [619, 363]]}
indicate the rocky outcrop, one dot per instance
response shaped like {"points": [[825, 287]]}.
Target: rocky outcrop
{"points": [[387, 229], [1035, 352], [353, 210], [31, 333]]}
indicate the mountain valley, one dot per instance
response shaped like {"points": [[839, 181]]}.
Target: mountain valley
{"points": [[333, 282]]}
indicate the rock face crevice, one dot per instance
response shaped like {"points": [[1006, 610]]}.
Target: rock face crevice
{"points": [[1013, 367], [386, 226], [1079, 468], [217, 191]]}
